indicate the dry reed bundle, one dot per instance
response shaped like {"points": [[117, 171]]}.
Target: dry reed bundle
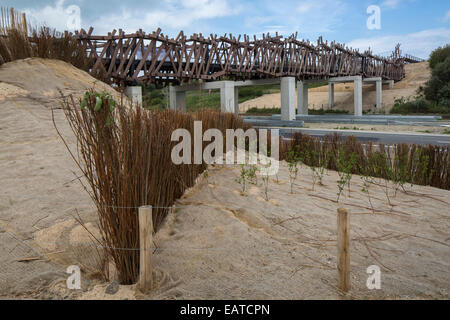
{"points": [[125, 156], [16, 43], [12, 19], [422, 165]]}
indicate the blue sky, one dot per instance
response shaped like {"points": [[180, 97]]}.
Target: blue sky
{"points": [[419, 25]]}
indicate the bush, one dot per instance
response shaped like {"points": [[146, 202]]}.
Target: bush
{"points": [[439, 55], [154, 98], [418, 105], [437, 89], [434, 97], [248, 93]]}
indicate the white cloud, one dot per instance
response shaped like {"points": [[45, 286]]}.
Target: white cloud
{"points": [[167, 14], [307, 6], [390, 3], [171, 14], [418, 44], [56, 16], [447, 16], [310, 17]]}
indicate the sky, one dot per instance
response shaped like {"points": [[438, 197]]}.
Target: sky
{"points": [[418, 25]]}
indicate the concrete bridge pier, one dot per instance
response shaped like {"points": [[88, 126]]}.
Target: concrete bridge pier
{"points": [[357, 95], [135, 94], [229, 94], [379, 93], [229, 97], [379, 89], [330, 95], [391, 83], [177, 99], [357, 91], [302, 98], [288, 98]]}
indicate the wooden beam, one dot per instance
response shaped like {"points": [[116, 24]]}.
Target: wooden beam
{"points": [[145, 246], [343, 246]]}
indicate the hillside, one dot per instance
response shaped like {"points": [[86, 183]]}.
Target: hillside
{"points": [[41, 80], [39, 185], [416, 76]]}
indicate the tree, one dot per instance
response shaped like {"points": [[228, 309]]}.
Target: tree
{"points": [[437, 89], [439, 55]]}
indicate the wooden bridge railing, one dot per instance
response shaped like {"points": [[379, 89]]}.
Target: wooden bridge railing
{"points": [[145, 58]]}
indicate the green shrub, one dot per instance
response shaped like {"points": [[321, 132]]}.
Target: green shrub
{"points": [[153, 98], [439, 55], [419, 105], [248, 93], [437, 89]]}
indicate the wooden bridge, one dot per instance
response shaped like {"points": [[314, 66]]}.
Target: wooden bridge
{"points": [[142, 58]]}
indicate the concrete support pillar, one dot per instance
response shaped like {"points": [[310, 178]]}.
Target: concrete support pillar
{"points": [[302, 98], [391, 83], [177, 100], [379, 93], [135, 94], [236, 101], [227, 97], [330, 95], [288, 98], [172, 98], [357, 89]]}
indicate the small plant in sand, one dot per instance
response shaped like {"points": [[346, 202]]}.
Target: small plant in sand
{"points": [[242, 177], [265, 179], [247, 175], [383, 169], [400, 174], [206, 175], [293, 161], [367, 180], [252, 174], [323, 163], [345, 166], [317, 171]]}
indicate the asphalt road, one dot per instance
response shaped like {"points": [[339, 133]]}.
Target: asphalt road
{"points": [[376, 137]]}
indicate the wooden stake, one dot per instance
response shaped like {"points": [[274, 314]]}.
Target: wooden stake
{"points": [[145, 242], [343, 225]]}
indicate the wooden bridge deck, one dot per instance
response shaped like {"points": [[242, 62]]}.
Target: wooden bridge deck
{"points": [[146, 58]]}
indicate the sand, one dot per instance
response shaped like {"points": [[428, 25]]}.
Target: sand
{"points": [[416, 75], [39, 192], [229, 245], [217, 243]]}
